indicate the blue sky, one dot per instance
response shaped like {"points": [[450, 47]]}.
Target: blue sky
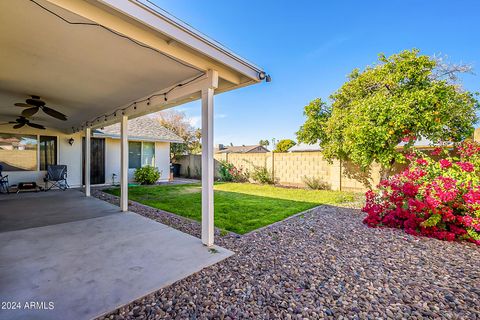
{"points": [[309, 47]]}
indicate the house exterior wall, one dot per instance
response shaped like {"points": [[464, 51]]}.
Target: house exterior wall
{"points": [[71, 155], [112, 160], [162, 159]]}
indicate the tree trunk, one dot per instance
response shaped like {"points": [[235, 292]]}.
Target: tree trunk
{"points": [[386, 171]]}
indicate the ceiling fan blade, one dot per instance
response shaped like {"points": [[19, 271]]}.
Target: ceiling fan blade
{"points": [[29, 112], [23, 105], [35, 125], [35, 101], [54, 113], [18, 126]]}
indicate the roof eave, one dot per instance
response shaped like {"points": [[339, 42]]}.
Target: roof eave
{"points": [[136, 138], [162, 22]]}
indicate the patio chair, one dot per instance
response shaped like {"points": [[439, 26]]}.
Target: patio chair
{"points": [[4, 186], [57, 177]]}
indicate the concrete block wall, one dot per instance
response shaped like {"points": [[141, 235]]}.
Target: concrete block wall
{"points": [[290, 169]]}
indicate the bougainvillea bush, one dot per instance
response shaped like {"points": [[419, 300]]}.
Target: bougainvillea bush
{"points": [[229, 173], [433, 198]]}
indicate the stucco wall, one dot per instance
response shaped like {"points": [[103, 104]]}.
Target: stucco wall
{"points": [[72, 157], [112, 160], [67, 154]]}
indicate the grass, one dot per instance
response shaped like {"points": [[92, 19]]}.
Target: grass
{"points": [[239, 207]]}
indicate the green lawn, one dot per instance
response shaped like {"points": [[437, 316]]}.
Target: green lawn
{"points": [[239, 207]]}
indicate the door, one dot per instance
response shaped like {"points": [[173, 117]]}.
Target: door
{"points": [[97, 161]]}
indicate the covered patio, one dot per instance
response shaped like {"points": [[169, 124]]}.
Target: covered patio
{"points": [[104, 62], [85, 257], [97, 63]]}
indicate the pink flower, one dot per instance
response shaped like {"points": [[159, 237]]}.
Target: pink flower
{"points": [[422, 162], [409, 189], [436, 151], [410, 156], [444, 163], [472, 196], [466, 166], [408, 138], [469, 148]]}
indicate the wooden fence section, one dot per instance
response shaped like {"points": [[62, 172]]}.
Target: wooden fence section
{"points": [[291, 169]]}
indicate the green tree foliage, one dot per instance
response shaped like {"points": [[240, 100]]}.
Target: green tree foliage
{"points": [[283, 145], [264, 143], [178, 123], [403, 97]]}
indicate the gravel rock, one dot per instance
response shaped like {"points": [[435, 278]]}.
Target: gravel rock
{"points": [[323, 264]]}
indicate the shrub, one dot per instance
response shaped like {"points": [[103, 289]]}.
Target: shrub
{"points": [[147, 175], [438, 199], [316, 183], [229, 173], [262, 175]]}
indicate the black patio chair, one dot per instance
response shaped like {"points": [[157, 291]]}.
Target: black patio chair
{"points": [[4, 186], [57, 177]]}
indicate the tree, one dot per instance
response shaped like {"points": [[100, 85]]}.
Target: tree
{"points": [[264, 143], [403, 97], [283, 145], [178, 123]]}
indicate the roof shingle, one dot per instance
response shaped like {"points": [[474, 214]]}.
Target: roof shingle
{"points": [[142, 128]]}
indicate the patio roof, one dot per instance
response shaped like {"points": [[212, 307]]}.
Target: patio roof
{"points": [[93, 60], [101, 62]]}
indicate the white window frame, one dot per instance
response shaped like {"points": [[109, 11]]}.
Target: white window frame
{"points": [[141, 152]]}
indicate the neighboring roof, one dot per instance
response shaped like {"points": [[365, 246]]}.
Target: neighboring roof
{"points": [[142, 128], [240, 149], [424, 143], [303, 147]]}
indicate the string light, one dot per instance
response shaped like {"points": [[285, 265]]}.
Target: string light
{"points": [[147, 100]]}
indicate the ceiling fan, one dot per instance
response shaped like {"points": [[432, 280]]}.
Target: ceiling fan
{"points": [[34, 104], [22, 121]]}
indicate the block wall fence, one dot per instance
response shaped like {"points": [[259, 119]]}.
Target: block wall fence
{"points": [[290, 169]]}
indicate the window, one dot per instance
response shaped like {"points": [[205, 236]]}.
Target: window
{"points": [[148, 154], [48, 151], [141, 154], [134, 154], [18, 152]]}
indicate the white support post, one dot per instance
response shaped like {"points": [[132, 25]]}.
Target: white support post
{"points": [[88, 155], [207, 167], [124, 164]]}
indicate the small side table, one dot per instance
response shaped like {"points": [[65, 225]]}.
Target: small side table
{"points": [[28, 186]]}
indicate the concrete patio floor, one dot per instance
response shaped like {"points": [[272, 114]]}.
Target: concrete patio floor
{"points": [[85, 257]]}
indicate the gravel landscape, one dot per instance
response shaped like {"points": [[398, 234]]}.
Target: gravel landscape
{"points": [[324, 263]]}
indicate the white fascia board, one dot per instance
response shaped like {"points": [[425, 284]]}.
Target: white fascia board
{"points": [[182, 33]]}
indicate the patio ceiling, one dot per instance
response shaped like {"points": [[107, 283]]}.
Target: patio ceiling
{"points": [[86, 70]]}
